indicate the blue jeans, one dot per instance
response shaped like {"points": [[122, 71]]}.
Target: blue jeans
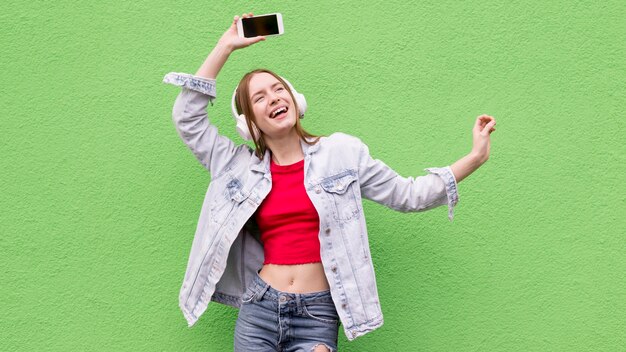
{"points": [[271, 320]]}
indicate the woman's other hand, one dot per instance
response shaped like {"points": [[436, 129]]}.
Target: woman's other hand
{"points": [[231, 40], [483, 127]]}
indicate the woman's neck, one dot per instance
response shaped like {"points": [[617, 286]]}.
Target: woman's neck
{"points": [[286, 150]]}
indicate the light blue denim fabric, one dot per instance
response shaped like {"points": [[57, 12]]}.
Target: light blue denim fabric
{"points": [[338, 172], [272, 320]]}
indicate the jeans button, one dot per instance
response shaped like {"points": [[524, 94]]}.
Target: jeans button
{"points": [[283, 298]]}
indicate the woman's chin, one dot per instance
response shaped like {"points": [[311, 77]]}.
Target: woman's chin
{"points": [[283, 132]]}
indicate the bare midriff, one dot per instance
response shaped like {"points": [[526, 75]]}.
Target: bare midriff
{"points": [[299, 278]]}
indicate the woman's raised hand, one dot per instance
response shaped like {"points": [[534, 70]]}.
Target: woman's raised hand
{"points": [[228, 43], [231, 39], [482, 130]]}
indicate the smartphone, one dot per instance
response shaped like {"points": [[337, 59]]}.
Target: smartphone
{"points": [[270, 24]]}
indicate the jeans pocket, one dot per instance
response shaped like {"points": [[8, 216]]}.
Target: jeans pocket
{"points": [[321, 311]]}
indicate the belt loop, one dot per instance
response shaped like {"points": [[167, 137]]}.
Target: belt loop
{"points": [[299, 304], [259, 295]]}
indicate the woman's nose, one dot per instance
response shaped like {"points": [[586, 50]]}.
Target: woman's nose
{"points": [[273, 97]]}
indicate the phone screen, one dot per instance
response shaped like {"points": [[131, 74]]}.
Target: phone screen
{"points": [[262, 25]]}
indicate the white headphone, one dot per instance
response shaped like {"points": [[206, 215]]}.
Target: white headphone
{"points": [[242, 126]]}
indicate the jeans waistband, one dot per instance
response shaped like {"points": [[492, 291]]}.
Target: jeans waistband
{"points": [[265, 291]]}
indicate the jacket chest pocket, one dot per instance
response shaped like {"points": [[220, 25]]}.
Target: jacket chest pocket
{"points": [[341, 189], [225, 203]]}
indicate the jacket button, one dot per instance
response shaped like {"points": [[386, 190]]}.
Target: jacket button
{"points": [[334, 268], [327, 231], [318, 190]]}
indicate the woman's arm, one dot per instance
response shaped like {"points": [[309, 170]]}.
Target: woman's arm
{"points": [[480, 151], [383, 185], [214, 62], [229, 42], [189, 114], [465, 166]]}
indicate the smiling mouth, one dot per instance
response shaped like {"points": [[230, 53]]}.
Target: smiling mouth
{"points": [[279, 113]]}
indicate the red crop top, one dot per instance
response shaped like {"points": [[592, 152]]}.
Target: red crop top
{"points": [[288, 221]]}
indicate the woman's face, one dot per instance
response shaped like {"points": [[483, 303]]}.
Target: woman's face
{"points": [[272, 105]]}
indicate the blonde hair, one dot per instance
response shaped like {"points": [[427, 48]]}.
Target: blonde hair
{"points": [[244, 106]]}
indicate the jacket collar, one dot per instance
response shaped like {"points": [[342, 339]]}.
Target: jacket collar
{"points": [[259, 165], [309, 149]]}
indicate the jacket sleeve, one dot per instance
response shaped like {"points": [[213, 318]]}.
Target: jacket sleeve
{"points": [[189, 114], [383, 185]]}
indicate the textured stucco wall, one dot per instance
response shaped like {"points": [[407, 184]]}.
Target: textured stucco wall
{"points": [[100, 198]]}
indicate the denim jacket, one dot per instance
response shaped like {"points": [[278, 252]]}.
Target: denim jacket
{"points": [[338, 172]]}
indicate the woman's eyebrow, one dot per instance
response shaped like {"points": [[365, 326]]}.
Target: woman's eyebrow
{"points": [[261, 91]]}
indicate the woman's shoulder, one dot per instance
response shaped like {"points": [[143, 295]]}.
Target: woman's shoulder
{"points": [[340, 146], [342, 139]]}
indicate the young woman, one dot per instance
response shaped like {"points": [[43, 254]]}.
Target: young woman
{"points": [[281, 233]]}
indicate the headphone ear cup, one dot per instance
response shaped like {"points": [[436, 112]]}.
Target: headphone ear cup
{"points": [[242, 127], [301, 101], [244, 132]]}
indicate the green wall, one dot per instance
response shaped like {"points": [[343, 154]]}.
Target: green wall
{"points": [[100, 198]]}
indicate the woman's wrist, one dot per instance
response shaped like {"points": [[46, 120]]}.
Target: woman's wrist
{"points": [[224, 47], [477, 158], [465, 166]]}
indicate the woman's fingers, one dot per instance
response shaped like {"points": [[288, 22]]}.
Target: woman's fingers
{"points": [[250, 41], [259, 38], [234, 24], [484, 123], [489, 127], [232, 38], [479, 124], [486, 118], [245, 15]]}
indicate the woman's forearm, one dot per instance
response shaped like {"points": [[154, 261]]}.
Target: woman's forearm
{"points": [[214, 62], [465, 166], [481, 146]]}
